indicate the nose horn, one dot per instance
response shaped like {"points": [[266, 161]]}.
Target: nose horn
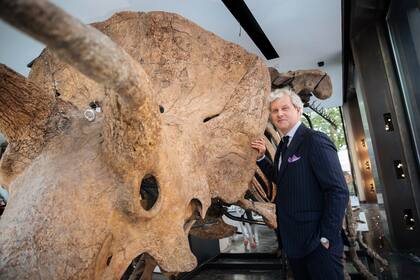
{"points": [[82, 46]]}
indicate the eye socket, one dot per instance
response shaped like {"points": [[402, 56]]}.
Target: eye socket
{"points": [[149, 192]]}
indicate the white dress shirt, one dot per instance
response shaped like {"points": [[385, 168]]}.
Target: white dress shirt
{"points": [[291, 133]]}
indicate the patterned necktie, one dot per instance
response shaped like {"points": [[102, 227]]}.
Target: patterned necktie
{"points": [[282, 148]]}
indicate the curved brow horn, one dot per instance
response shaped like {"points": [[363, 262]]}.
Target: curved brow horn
{"points": [[82, 46], [99, 58]]}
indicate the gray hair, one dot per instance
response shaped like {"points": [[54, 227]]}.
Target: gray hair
{"points": [[280, 92]]}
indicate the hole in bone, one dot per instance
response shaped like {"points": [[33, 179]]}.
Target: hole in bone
{"points": [[3, 145], [3, 200], [149, 192], [3, 193], [108, 260], [209, 118], [193, 214], [94, 105], [141, 267], [161, 109]]}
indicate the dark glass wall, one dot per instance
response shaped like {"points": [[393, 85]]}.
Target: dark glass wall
{"points": [[403, 22], [386, 121]]}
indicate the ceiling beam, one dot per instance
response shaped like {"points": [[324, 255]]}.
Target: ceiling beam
{"points": [[246, 19]]}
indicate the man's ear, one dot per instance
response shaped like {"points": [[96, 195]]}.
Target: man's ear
{"points": [[300, 110]]}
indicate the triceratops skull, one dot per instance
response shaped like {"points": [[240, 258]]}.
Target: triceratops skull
{"points": [[186, 119]]}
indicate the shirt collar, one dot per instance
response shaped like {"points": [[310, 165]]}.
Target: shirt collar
{"points": [[292, 132]]}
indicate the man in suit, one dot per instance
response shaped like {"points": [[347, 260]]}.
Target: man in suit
{"points": [[312, 193]]}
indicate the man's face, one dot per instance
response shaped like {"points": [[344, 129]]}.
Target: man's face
{"points": [[284, 114]]}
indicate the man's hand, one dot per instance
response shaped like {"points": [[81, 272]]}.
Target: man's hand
{"points": [[327, 246], [259, 145], [325, 242]]}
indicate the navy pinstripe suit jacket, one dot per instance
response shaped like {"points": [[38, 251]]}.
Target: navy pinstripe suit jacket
{"points": [[312, 193]]}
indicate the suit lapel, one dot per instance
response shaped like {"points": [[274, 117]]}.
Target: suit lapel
{"points": [[293, 146]]}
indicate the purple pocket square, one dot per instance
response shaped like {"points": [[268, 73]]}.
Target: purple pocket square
{"points": [[293, 159]]}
